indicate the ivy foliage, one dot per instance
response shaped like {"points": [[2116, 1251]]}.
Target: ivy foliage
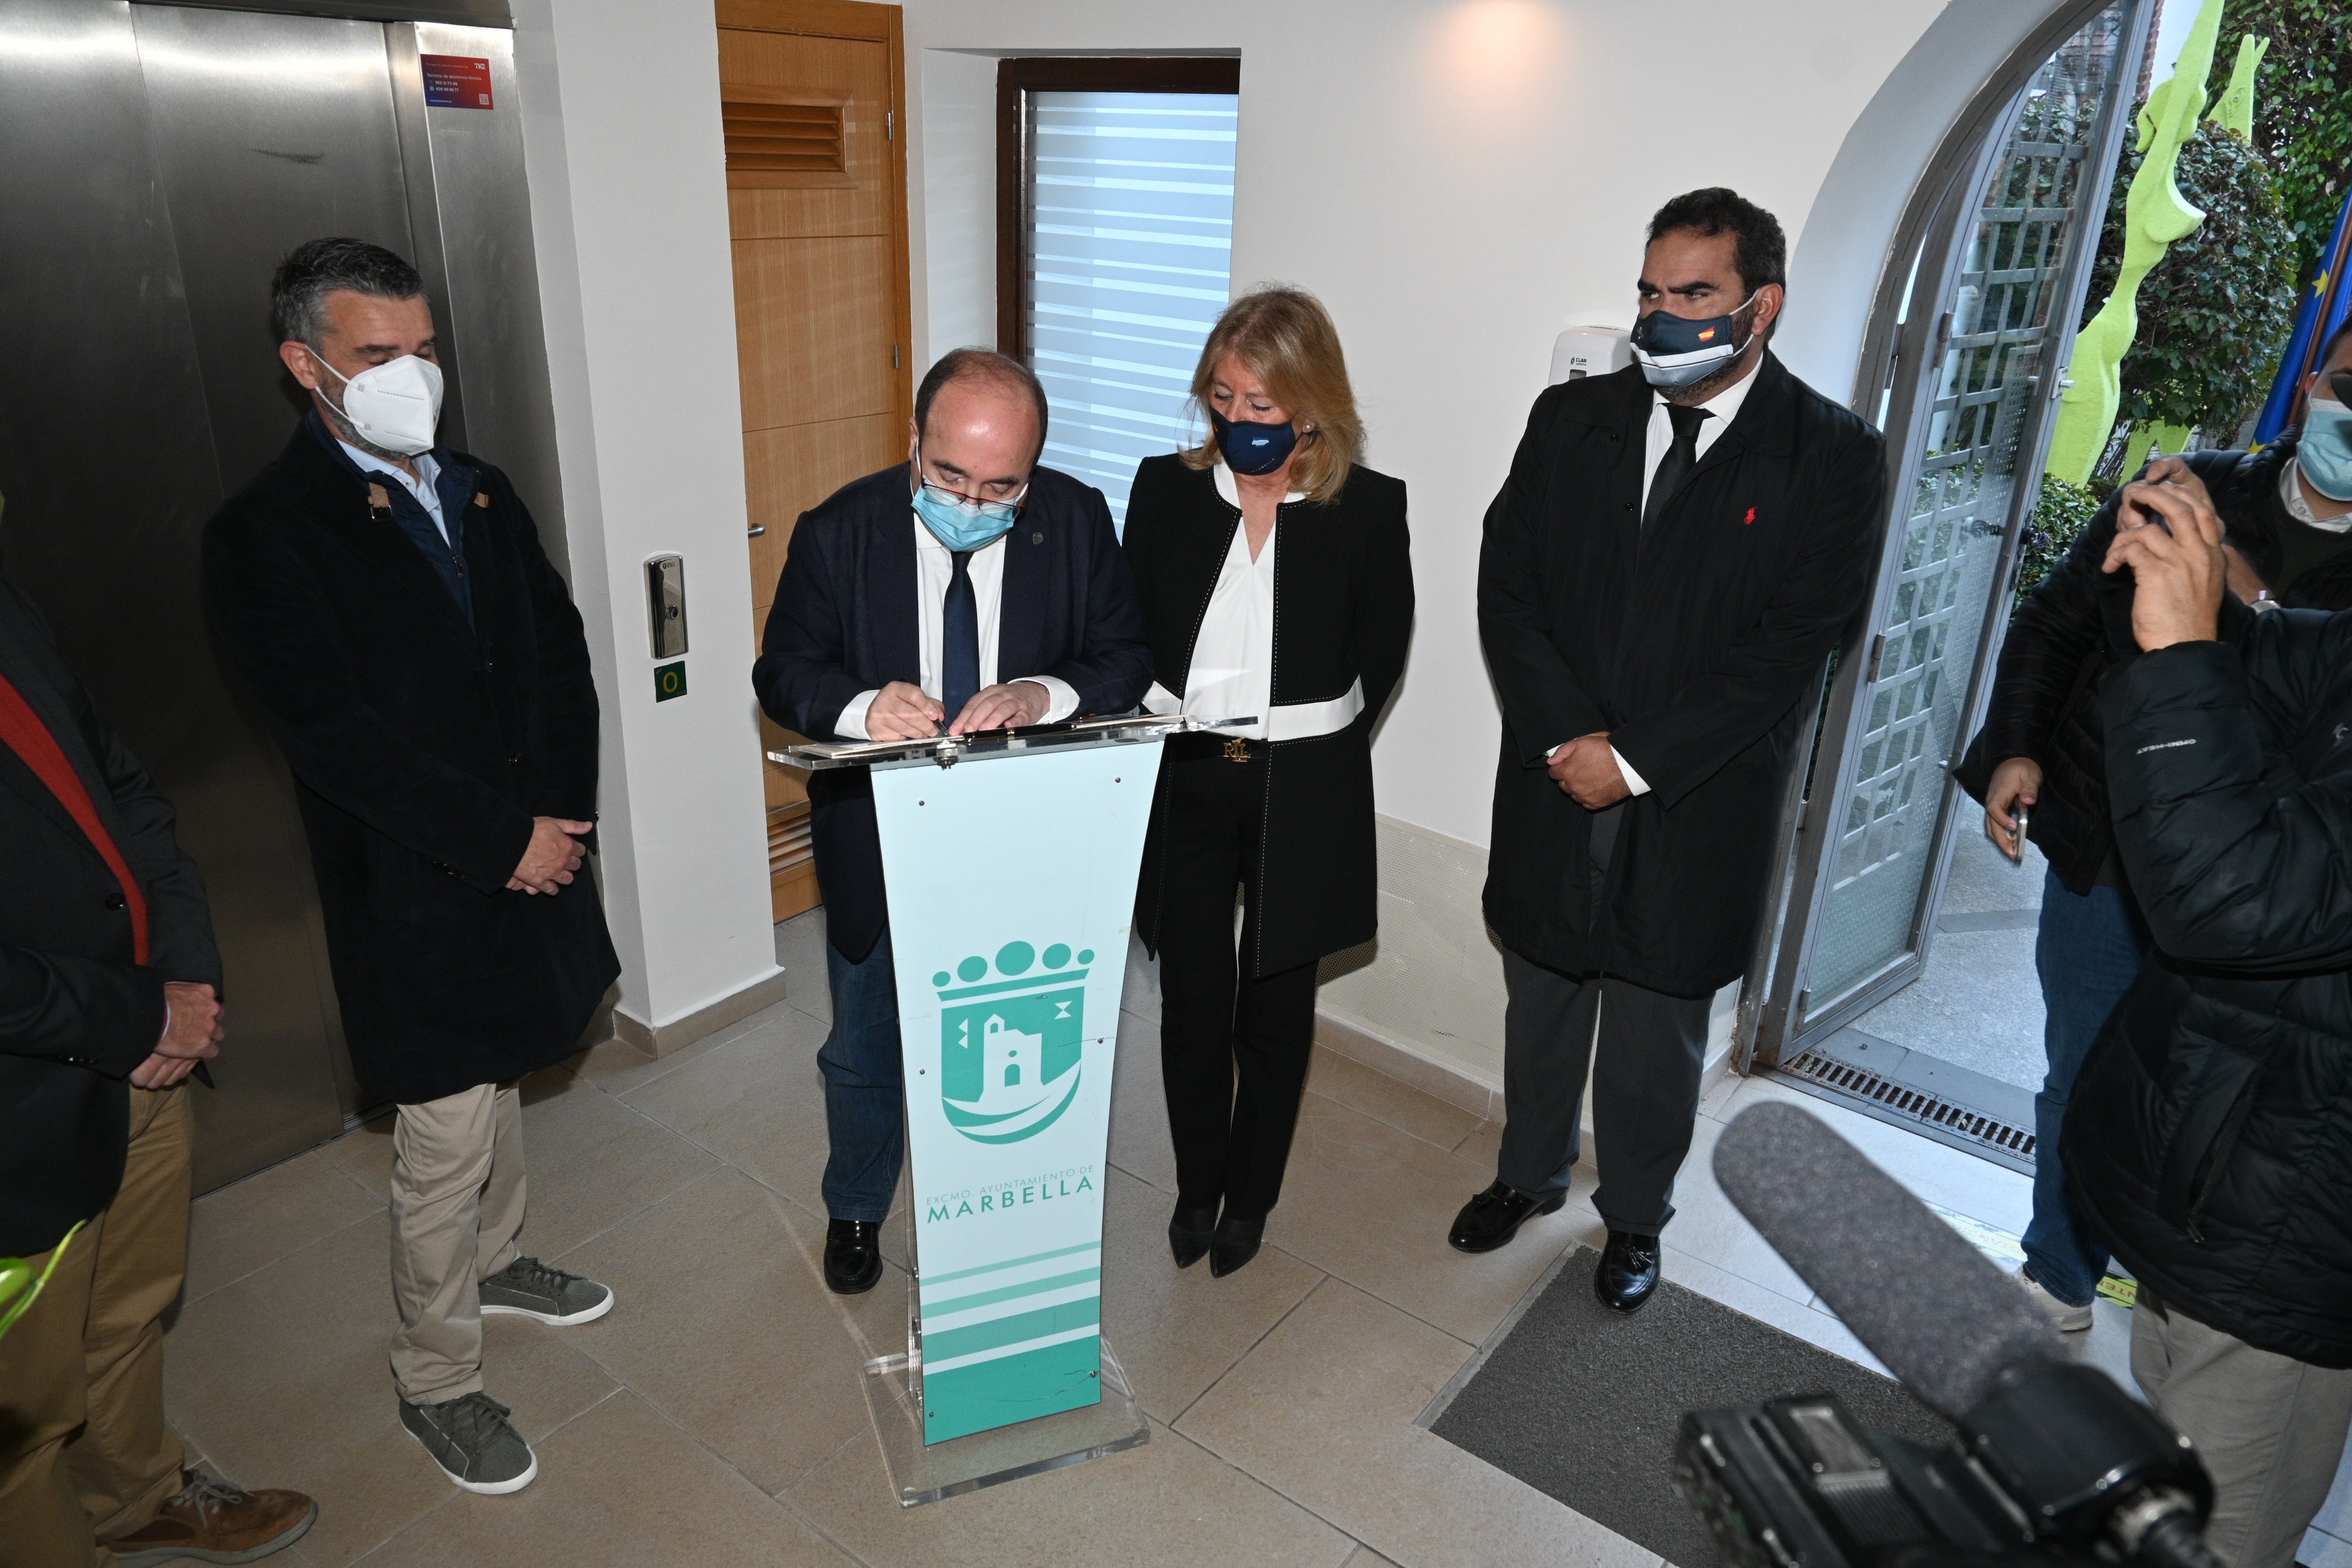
{"points": [[2215, 313], [2061, 514], [2302, 108]]}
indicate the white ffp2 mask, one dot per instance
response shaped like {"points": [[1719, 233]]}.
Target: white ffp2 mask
{"points": [[395, 405]]}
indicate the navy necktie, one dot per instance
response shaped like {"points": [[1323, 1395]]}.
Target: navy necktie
{"points": [[959, 640], [1676, 465]]}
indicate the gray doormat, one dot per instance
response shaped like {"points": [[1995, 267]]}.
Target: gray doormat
{"points": [[1582, 1402]]}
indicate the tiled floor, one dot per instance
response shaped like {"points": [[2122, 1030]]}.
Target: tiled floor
{"points": [[715, 1416], [1978, 1004]]}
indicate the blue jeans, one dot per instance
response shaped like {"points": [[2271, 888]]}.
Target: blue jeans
{"points": [[864, 1088], [2087, 952]]}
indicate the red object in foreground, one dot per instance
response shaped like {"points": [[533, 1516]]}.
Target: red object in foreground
{"points": [[22, 732]]}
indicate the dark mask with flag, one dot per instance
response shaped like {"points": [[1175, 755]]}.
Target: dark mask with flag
{"points": [[1675, 352]]}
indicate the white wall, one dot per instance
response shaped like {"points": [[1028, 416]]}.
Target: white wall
{"points": [[1457, 180], [629, 214]]}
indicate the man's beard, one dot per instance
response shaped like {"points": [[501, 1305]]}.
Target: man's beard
{"points": [[1699, 391], [340, 423]]}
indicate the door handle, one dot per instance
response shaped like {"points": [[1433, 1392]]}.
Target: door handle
{"points": [[754, 533]]}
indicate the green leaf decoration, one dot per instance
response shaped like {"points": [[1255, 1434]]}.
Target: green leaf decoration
{"points": [[2156, 214], [18, 1287]]}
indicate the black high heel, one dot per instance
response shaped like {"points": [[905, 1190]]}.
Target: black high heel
{"points": [[1234, 1244], [1190, 1233]]}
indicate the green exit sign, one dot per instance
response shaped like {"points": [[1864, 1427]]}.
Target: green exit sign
{"points": [[669, 681]]}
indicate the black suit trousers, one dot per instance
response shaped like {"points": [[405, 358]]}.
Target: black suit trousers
{"points": [[1650, 1048], [1215, 1025]]}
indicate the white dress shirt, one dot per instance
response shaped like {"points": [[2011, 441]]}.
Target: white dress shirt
{"points": [[1231, 672], [422, 487], [1657, 441], [934, 569]]}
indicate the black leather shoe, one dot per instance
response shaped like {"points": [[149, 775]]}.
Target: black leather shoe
{"points": [[1628, 1271], [1495, 1216], [1234, 1244], [1189, 1233], [853, 1256]]}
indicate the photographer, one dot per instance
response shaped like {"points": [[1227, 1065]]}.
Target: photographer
{"points": [[2040, 757], [2209, 1141]]}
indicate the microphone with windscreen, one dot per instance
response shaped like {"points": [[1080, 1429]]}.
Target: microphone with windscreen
{"points": [[2053, 1460], [1924, 1300]]}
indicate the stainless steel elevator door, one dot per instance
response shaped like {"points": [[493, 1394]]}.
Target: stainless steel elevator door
{"points": [[268, 131], [159, 161]]}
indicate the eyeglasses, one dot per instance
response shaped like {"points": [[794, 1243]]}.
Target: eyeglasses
{"points": [[993, 510]]}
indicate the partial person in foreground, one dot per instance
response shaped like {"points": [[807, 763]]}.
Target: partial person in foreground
{"points": [[968, 588], [1274, 507], [2209, 1140], [109, 998], [422, 669], [1677, 549], [2039, 763]]}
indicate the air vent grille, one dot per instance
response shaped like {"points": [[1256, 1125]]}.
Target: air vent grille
{"points": [[788, 838], [1957, 1121], [783, 138]]}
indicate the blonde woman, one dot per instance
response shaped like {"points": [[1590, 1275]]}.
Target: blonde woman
{"points": [[1278, 590]]}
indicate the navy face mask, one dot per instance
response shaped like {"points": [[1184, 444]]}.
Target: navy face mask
{"points": [[1678, 351], [1253, 448]]}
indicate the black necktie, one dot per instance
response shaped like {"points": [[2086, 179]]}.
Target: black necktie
{"points": [[959, 639], [1676, 465]]}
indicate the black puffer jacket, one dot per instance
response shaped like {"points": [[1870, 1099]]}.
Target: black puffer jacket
{"points": [[2056, 658], [2208, 1139]]}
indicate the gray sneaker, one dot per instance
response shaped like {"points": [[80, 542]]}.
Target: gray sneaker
{"points": [[470, 1437], [531, 1288]]}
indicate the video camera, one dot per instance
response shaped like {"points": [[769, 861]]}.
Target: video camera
{"points": [[2054, 1462]]}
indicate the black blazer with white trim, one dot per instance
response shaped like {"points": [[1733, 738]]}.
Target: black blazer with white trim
{"points": [[1342, 617]]}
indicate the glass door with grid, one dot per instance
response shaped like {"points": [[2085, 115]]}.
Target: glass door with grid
{"points": [[1993, 299]]}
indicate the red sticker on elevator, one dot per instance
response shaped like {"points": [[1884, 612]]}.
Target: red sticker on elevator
{"points": [[456, 81]]}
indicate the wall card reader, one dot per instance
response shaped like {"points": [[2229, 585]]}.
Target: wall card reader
{"points": [[666, 598]]}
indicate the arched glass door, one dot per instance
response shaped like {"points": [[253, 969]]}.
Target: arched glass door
{"points": [[1986, 317]]}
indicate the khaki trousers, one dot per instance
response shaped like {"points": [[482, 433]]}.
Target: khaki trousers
{"points": [[85, 1455], [2270, 1429], [456, 1207]]}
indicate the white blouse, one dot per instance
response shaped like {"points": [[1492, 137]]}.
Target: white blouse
{"points": [[1231, 673]]}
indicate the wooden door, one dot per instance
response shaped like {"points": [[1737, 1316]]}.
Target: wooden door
{"points": [[817, 199]]}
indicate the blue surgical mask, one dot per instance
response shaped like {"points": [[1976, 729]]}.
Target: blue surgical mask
{"points": [[1675, 352], [959, 524], [1253, 448], [2325, 451]]}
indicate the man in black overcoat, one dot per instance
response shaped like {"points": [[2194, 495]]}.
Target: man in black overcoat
{"points": [[965, 589], [422, 666], [110, 997], [1677, 548]]}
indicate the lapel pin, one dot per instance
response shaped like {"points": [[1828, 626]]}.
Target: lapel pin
{"points": [[1037, 539]]}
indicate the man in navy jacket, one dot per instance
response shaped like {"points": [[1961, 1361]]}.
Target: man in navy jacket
{"points": [[965, 589]]}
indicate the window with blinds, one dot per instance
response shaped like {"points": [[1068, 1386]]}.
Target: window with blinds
{"points": [[1126, 260]]}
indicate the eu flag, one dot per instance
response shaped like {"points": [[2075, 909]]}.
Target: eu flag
{"points": [[2324, 305]]}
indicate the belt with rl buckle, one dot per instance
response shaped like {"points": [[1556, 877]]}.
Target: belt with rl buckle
{"points": [[1202, 746]]}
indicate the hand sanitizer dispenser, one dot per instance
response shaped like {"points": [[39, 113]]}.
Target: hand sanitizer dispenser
{"points": [[1589, 351]]}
